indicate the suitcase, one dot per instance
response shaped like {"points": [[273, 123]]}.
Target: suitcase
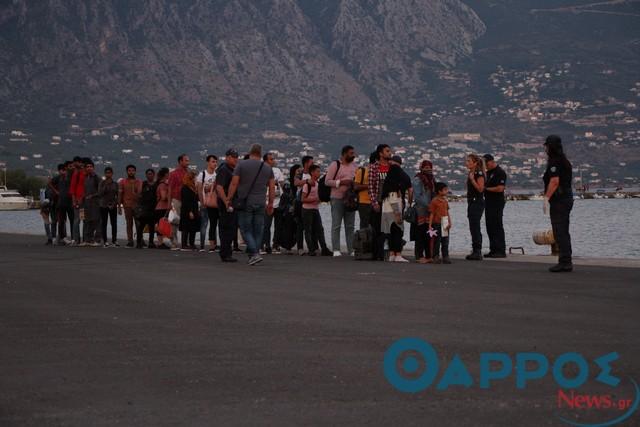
{"points": [[363, 244]]}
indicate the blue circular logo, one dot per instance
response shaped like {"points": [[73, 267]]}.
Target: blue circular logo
{"points": [[410, 365]]}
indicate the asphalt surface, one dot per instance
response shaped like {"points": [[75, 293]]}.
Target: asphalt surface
{"points": [[103, 337]]}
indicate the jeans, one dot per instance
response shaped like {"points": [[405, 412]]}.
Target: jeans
{"points": [[493, 213], [364, 212], [338, 215], [112, 215], [560, 212], [64, 213], [313, 229], [75, 234], [251, 222], [228, 226], [474, 214], [439, 242]]}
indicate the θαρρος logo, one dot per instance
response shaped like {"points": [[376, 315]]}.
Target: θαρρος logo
{"points": [[412, 365]]}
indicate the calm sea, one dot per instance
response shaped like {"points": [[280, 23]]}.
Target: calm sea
{"points": [[599, 228]]}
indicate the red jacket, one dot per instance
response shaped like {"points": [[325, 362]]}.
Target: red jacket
{"points": [[77, 184]]}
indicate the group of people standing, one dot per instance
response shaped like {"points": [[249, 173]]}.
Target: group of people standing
{"points": [[252, 195]]}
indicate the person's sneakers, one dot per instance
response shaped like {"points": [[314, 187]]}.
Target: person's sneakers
{"points": [[474, 256], [255, 260], [326, 252], [175, 248], [499, 255], [262, 252], [561, 268], [49, 242], [237, 249], [337, 253], [424, 261], [269, 251], [446, 260], [488, 255], [116, 244], [212, 250], [106, 244], [400, 258], [312, 253], [83, 244], [202, 250], [67, 241], [229, 259], [392, 258], [94, 244], [129, 244], [436, 260], [352, 253]]}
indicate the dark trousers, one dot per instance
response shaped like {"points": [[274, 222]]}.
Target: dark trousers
{"points": [[92, 230], [63, 214], [214, 217], [299, 232], [440, 243], [378, 236], [112, 216], [313, 230], [422, 246], [493, 213], [364, 213], [266, 233], [188, 239], [395, 238], [228, 232], [149, 221], [474, 214], [53, 214], [560, 211], [277, 219]]}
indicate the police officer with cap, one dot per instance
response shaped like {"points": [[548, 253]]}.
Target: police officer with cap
{"points": [[494, 207], [558, 195]]}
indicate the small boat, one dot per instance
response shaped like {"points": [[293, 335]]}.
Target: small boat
{"points": [[619, 196], [536, 197], [11, 200]]}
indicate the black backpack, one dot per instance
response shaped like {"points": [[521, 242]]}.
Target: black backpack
{"points": [[324, 191]]}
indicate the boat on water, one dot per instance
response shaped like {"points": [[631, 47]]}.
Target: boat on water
{"points": [[537, 197], [619, 196], [11, 200]]}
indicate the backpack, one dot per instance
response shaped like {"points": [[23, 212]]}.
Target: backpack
{"points": [[363, 244], [324, 191]]}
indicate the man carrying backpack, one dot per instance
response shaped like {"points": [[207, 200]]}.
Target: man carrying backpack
{"points": [[339, 178]]}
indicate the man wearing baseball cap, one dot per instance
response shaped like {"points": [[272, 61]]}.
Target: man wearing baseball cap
{"points": [[494, 207]]}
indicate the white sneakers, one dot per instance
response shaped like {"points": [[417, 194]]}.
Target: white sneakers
{"points": [[337, 253], [397, 258]]}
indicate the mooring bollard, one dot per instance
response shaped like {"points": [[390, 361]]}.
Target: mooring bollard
{"points": [[546, 238]]}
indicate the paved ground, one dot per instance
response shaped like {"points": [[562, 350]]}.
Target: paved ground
{"points": [[151, 338]]}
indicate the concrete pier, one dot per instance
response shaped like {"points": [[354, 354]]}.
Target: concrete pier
{"points": [[103, 337]]}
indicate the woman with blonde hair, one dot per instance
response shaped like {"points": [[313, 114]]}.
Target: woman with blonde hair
{"points": [[475, 203], [189, 211]]}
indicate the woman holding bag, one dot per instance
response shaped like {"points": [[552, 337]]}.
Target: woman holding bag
{"points": [[423, 189], [189, 212], [209, 213]]}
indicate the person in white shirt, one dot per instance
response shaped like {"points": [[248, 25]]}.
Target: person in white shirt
{"points": [[268, 219], [205, 184]]}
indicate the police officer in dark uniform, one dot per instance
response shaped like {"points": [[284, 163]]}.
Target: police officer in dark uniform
{"points": [[494, 207], [475, 203], [559, 195]]}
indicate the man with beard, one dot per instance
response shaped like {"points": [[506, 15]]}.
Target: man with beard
{"points": [[340, 179]]}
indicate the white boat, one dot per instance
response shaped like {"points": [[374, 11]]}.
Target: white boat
{"points": [[11, 200], [537, 197], [619, 196]]}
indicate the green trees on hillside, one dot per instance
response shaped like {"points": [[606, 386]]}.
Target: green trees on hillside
{"points": [[19, 180]]}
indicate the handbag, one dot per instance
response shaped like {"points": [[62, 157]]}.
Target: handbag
{"points": [[164, 227], [350, 199], [210, 197], [174, 217], [241, 204], [411, 215]]}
